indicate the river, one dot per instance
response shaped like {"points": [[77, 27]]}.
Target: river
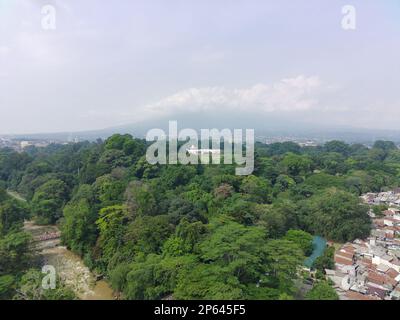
{"points": [[68, 265], [319, 245]]}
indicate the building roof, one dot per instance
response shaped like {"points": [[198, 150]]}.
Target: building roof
{"points": [[392, 273], [351, 295], [374, 289], [376, 278], [348, 255], [388, 212], [347, 248], [365, 262], [387, 257], [343, 260], [382, 268], [396, 262]]}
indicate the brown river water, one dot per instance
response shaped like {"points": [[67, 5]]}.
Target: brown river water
{"points": [[68, 265]]}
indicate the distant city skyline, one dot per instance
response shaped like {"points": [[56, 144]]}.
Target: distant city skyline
{"points": [[107, 64]]}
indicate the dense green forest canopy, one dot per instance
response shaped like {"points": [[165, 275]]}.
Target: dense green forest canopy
{"points": [[191, 231]]}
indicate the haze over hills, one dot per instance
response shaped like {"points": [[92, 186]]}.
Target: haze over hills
{"points": [[265, 128], [265, 63]]}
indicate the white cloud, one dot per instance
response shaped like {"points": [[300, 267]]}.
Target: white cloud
{"points": [[292, 94]]}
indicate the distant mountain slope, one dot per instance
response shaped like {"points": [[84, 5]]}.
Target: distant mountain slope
{"points": [[265, 127]]}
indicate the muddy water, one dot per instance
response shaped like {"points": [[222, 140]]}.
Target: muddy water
{"points": [[69, 266]]}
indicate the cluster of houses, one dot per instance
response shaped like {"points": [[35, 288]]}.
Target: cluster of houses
{"points": [[19, 145], [370, 269], [390, 198]]}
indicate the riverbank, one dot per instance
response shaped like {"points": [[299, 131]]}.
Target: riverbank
{"points": [[69, 266]]}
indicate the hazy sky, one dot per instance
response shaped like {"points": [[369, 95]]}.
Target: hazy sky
{"points": [[115, 62]]}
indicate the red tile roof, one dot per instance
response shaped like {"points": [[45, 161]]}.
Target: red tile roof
{"points": [[366, 262], [351, 295], [389, 235], [348, 248], [392, 273], [345, 261], [376, 278], [388, 212], [379, 223]]}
